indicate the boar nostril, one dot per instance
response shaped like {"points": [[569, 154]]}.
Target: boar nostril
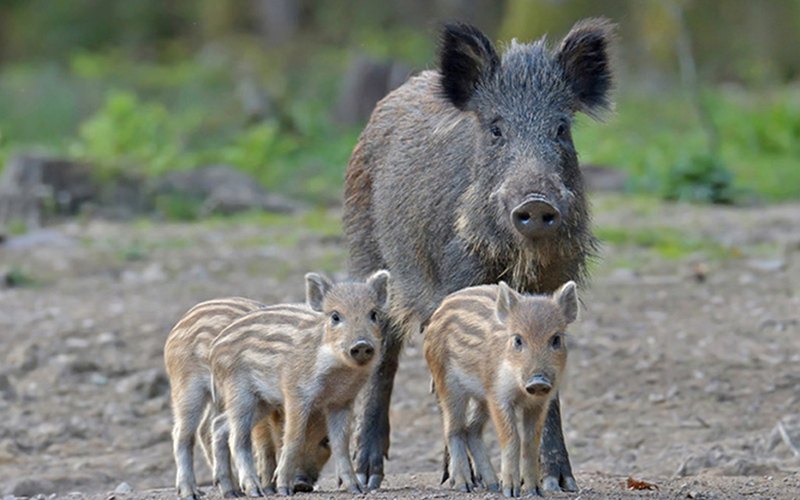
{"points": [[538, 385], [535, 217], [362, 351]]}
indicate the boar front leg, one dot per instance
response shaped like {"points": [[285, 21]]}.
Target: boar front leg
{"points": [[373, 432], [532, 422], [557, 472], [338, 420], [504, 419], [484, 471]]}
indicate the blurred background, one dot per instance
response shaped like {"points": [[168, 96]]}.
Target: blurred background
{"points": [[708, 102], [122, 120]]}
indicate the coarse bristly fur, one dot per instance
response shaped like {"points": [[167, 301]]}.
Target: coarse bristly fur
{"points": [[495, 353], [300, 360], [186, 360], [439, 168]]}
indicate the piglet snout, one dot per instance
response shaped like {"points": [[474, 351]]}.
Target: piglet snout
{"points": [[538, 385], [362, 351]]}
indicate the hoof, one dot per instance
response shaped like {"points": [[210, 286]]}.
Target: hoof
{"points": [[495, 487], [303, 487], [553, 484], [374, 482], [232, 494], [533, 492], [285, 491], [511, 492]]}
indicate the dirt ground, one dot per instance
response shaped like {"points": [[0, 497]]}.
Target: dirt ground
{"points": [[684, 366]]}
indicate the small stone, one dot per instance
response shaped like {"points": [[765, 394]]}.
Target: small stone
{"points": [[98, 379], [123, 488], [767, 265], [29, 487], [692, 494]]}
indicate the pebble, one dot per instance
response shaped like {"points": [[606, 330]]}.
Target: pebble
{"points": [[29, 487], [123, 488]]}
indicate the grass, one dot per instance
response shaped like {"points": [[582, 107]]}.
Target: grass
{"points": [[152, 117], [652, 134], [667, 242]]}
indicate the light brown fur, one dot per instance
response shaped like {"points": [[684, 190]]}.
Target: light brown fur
{"points": [[306, 359], [186, 360], [487, 348]]}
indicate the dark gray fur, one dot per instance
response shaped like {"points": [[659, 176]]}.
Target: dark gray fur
{"points": [[436, 172]]}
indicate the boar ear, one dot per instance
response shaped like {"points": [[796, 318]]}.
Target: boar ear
{"points": [[584, 57], [506, 300], [379, 282], [466, 58], [567, 299], [316, 288]]}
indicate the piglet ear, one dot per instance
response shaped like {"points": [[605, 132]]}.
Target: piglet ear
{"points": [[379, 281], [567, 299], [316, 288], [507, 299], [466, 59], [583, 55]]}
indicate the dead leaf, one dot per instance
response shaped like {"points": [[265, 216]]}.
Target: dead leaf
{"points": [[635, 484]]}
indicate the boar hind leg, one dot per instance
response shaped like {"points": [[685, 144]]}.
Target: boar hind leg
{"points": [[484, 472], [240, 419], [264, 444], [204, 433], [223, 477], [373, 432], [187, 412], [556, 470]]}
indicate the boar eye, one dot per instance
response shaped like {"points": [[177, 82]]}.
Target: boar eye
{"points": [[561, 131], [325, 443], [517, 342], [373, 316], [336, 318], [556, 341], [496, 132]]}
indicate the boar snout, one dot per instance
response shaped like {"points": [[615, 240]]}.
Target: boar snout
{"points": [[362, 351], [538, 385], [536, 217]]}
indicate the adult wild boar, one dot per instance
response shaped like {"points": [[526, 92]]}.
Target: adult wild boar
{"points": [[468, 175]]}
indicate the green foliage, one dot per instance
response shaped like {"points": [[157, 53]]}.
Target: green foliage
{"points": [[657, 139], [17, 277], [177, 207], [262, 151], [700, 178], [127, 132], [668, 242]]}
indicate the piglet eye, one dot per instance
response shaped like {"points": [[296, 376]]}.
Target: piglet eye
{"points": [[517, 342], [373, 316], [556, 341], [561, 131], [335, 318], [325, 443], [496, 132]]}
